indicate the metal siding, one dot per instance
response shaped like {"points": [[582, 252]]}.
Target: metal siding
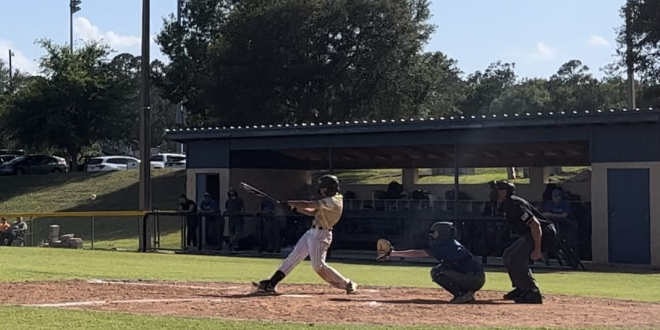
{"points": [[639, 143], [208, 154], [629, 218], [574, 118], [484, 136], [266, 160]]}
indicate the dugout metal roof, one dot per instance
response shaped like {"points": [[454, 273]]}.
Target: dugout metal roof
{"points": [[563, 138]]}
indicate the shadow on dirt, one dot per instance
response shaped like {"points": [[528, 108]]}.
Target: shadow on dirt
{"points": [[419, 301]]}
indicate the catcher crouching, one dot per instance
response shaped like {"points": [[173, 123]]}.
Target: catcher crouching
{"points": [[458, 272]]}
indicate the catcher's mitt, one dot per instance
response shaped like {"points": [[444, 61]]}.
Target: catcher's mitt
{"points": [[383, 249]]}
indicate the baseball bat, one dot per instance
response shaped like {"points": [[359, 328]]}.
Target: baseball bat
{"points": [[254, 191]]}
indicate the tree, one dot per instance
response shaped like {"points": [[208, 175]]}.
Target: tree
{"points": [[643, 30], [125, 69], [75, 102], [252, 61], [482, 88], [528, 96]]}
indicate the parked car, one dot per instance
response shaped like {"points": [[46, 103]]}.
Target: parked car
{"points": [[6, 158], [112, 163], [176, 162], [34, 164], [159, 160], [17, 152]]}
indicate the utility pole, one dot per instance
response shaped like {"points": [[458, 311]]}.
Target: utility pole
{"points": [[74, 6], [11, 72], [630, 57], [179, 119], [145, 126]]}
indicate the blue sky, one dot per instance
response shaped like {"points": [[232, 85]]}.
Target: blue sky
{"points": [[536, 35]]}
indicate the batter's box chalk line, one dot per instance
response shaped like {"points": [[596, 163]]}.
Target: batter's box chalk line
{"points": [[182, 286], [133, 301]]}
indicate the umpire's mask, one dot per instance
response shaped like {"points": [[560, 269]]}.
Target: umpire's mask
{"points": [[445, 230]]}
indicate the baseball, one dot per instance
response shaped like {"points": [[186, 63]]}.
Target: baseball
{"points": [[93, 197]]}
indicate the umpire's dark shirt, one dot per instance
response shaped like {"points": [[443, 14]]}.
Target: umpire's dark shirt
{"points": [[519, 213]]}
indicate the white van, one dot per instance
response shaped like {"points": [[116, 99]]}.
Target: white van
{"points": [[158, 160]]}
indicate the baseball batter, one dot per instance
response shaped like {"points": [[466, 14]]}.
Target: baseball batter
{"points": [[316, 241]]}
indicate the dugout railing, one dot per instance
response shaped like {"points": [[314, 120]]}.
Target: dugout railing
{"points": [[485, 236]]}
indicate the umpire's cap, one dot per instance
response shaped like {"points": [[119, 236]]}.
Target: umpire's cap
{"points": [[446, 230], [503, 185]]}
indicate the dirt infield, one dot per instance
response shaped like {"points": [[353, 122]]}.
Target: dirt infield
{"points": [[322, 304]]}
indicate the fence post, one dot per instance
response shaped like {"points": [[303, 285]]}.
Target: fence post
{"points": [[32, 231], [157, 232], [183, 232], [144, 233], [93, 218]]}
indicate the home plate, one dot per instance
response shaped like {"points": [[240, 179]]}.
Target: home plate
{"points": [[371, 290], [296, 295], [373, 304]]}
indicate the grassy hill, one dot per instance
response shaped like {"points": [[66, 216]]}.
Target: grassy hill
{"points": [[482, 175], [115, 191]]}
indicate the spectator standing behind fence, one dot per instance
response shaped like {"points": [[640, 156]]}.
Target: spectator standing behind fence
{"points": [[560, 212], [189, 208], [234, 206], [214, 223], [271, 227]]}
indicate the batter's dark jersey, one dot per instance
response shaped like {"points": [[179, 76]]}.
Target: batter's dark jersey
{"points": [[519, 213]]}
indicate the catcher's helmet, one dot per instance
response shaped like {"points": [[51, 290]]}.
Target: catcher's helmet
{"points": [[330, 182], [446, 230]]}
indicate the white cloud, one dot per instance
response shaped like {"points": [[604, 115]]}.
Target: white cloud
{"points": [[83, 29], [543, 52], [597, 41], [19, 60]]}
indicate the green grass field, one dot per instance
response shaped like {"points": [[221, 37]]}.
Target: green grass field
{"points": [[31, 264]]}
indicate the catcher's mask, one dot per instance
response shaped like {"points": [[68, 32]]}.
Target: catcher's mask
{"points": [[502, 185], [446, 230], [330, 183]]}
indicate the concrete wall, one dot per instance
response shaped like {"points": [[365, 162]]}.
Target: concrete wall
{"points": [[599, 209]]}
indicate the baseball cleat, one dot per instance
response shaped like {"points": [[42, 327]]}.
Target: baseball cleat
{"points": [[529, 297], [264, 287], [351, 288], [513, 294], [463, 299]]}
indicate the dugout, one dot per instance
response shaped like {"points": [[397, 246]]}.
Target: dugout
{"points": [[621, 146]]}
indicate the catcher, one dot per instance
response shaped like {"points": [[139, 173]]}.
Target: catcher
{"points": [[457, 272]]}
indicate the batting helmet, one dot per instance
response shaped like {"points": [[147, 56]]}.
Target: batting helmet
{"points": [[446, 230], [330, 182]]}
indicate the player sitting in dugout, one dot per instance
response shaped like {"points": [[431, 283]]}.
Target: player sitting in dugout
{"points": [[458, 272]]}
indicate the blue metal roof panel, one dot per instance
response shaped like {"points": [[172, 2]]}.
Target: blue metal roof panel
{"points": [[444, 123]]}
